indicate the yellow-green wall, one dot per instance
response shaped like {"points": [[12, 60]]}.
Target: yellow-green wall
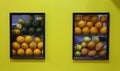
{"points": [[59, 35]]}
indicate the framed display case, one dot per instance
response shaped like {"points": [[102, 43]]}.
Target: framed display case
{"points": [[91, 36], [27, 35]]}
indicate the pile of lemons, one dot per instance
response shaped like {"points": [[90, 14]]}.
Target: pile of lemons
{"points": [[27, 45]]}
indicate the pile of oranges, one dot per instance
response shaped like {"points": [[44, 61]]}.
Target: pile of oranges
{"points": [[27, 45], [90, 24]]}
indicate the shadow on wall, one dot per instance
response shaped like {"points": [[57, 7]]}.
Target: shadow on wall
{"points": [[27, 60], [91, 61], [117, 3]]}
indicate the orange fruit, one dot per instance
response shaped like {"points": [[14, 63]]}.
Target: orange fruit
{"points": [[20, 39], [94, 19], [98, 25], [94, 30], [37, 39], [81, 24], [85, 30], [13, 52], [86, 18], [77, 18], [37, 52], [28, 39], [20, 52], [33, 45], [89, 24], [40, 45], [15, 45], [24, 46], [103, 30], [103, 18], [29, 52], [77, 30]]}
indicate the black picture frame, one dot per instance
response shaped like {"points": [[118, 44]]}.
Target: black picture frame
{"points": [[42, 57], [107, 34]]}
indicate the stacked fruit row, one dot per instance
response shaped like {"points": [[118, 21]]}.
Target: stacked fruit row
{"points": [[26, 36], [30, 26], [88, 29], [27, 45], [90, 24], [90, 47]]}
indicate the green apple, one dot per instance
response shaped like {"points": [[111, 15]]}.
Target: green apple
{"points": [[77, 53], [83, 44], [87, 39], [78, 47], [96, 39]]}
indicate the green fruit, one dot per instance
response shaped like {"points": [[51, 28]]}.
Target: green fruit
{"points": [[83, 44], [31, 18], [31, 30], [23, 30], [27, 24], [36, 24], [78, 47], [77, 53], [96, 39], [87, 39], [21, 21], [39, 30]]}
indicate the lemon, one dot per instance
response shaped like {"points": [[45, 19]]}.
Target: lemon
{"points": [[17, 31], [18, 26], [40, 18], [33, 45]]}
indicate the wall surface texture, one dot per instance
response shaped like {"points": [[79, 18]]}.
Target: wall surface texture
{"points": [[59, 35]]}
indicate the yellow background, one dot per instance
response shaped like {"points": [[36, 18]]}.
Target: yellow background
{"points": [[59, 35]]}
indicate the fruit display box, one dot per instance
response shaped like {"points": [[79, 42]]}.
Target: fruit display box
{"points": [[91, 36], [27, 35]]}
